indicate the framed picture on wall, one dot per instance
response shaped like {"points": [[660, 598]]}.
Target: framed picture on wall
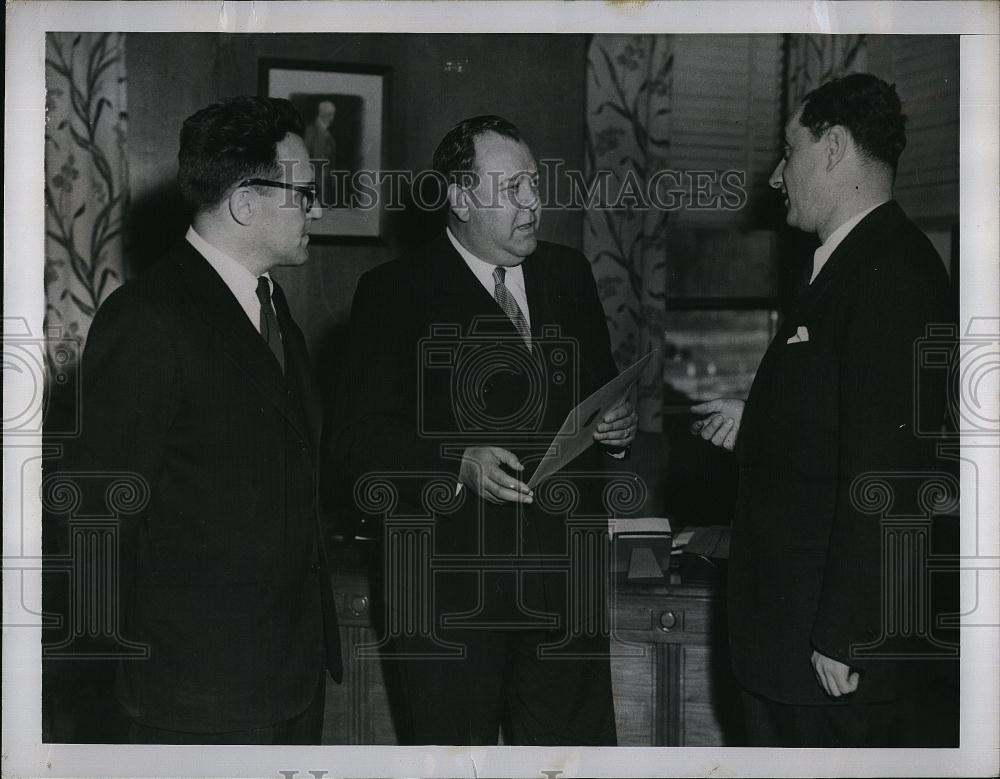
{"points": [[343, 107]]}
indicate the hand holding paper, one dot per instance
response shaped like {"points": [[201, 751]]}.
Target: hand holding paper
{"points": [[486, 470], [617, 428], [582, 425]]}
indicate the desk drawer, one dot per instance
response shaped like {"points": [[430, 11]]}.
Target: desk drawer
{"points": [[666, 618]]}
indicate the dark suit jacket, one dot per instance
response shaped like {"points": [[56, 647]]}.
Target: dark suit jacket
{"points": [[420, 386], [805, 568], [223, 573]]}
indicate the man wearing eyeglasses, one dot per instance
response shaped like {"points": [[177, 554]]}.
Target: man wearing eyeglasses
{"points": [[196, 379]]}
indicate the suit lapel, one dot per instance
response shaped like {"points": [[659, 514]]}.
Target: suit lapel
{"points": [[861, 236], [534, 286], [238, 338], [469, 295]]}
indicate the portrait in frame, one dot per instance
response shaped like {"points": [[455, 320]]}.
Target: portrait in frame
{"points": [[343, 107]]}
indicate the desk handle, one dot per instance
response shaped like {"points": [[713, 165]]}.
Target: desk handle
{"points": [[668, 621], [358, 605]]}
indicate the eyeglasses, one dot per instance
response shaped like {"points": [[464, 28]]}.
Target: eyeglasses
{"points": [[307, 192]]}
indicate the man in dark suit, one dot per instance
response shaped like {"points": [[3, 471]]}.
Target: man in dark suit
{"points": [[197, 380], [835, 400], [464, 358]]}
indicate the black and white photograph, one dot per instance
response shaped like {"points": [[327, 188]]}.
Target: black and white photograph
{"points": [[344, 111], [501, 389]]}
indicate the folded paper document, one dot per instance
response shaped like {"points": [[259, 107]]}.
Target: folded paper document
{"points": [[577, 432]]}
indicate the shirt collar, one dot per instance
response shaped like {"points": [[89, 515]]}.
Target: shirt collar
{"points": [[240, 282], [234, 274], [482, 269], [824, 252]]}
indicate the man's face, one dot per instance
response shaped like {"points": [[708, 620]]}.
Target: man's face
{"points": [[801, 177], [285, 222], [326, 113], [503, 213]]}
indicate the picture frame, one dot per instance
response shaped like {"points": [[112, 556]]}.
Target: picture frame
{"points": [[344, 109]]}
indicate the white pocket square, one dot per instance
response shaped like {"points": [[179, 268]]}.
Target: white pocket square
{"points": [[801, 335]]}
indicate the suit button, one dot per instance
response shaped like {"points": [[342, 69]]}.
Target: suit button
{"points": [[315, 567]]}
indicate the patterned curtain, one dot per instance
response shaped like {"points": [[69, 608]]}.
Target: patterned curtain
{"points": [[86, 183], [813, 59], [629, 95]]}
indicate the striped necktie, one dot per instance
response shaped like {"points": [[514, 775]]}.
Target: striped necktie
{"points": [[269, 329], [509, 305]]}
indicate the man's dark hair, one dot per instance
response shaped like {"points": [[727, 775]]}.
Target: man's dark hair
{"points": [[455, 157], [229, 141], [867, 106]]}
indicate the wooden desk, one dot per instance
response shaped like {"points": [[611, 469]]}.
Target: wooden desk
{"points": [[358, 711], [670, 668]]}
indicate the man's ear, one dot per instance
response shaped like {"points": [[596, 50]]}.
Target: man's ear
{"points": [[458, 202], [838, 140], [242, 205]]}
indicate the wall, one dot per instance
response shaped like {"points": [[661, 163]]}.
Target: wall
{"points": [[436, 80], [924, 69]]}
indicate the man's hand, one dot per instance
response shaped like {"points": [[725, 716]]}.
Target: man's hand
{"points": [[722, 425], [482, 472], [617, 429], [833, 676]]}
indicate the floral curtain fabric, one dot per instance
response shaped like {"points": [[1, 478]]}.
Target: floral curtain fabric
{"points": [[629, 94], [86, 182]]}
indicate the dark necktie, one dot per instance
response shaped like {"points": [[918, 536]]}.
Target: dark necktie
{"points": [[509, 305], [269, 329]]}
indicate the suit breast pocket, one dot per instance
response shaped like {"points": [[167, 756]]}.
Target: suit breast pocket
{"points": [[801, 366], [802, 400]]}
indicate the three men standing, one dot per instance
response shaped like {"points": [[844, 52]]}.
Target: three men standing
{"points": [[196, 379]]}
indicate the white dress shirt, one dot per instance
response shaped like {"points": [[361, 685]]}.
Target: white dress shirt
{"points": [[824, 252], [241, 282], [514, 279]]}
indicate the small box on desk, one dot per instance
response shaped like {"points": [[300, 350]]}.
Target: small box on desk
{"points": [[641, 548]]}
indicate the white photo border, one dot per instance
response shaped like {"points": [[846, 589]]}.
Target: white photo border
{"points": [[27, 22]]}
